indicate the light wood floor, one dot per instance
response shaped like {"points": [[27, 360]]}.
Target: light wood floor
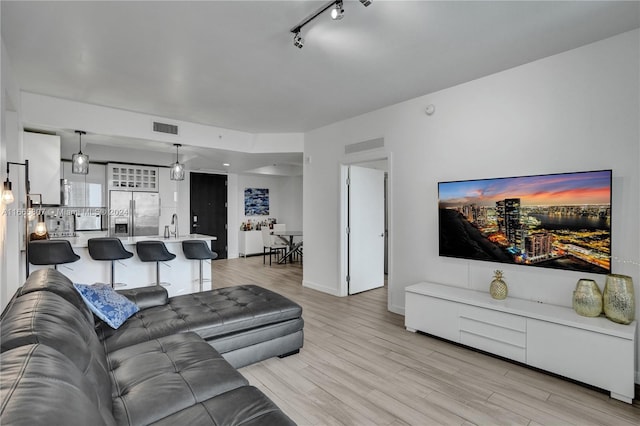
{"points": [[359, 366]]}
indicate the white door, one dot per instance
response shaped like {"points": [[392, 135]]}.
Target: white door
{"points": [[366, 229]]}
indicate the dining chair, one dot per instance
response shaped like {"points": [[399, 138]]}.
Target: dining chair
{"points": [[268, 243]]}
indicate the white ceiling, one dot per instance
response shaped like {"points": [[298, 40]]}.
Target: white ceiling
{"points": [[232, 64]]}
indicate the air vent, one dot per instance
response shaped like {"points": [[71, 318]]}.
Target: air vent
{"points": [[165, 128], [364, 146]]}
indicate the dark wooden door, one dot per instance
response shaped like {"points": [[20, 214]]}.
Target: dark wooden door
{"points": [[208, 194]]}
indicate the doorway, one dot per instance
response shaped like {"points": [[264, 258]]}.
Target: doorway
{"points": [[364, 242], [208, 207]]}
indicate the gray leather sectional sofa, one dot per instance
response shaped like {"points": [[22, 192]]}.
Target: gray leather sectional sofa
{"points": [[172, 363]]}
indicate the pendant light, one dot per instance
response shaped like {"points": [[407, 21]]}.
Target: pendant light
{"points": [[80, 161], [177, 169]]}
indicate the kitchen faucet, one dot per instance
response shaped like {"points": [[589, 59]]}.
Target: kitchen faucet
{"points": [[174, 222]]}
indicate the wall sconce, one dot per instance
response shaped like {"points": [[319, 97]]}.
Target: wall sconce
{"points": [[7, 194], [40, 230]]}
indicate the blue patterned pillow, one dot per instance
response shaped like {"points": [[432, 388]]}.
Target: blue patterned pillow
{"points": [[111, 307]]}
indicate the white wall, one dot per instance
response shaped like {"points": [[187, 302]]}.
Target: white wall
{"points": [[11, 271], [575, 111], [285, 199], [49, 112]]}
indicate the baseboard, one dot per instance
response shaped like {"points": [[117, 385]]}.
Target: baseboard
{"points": [[396, 309], [330, 290]]}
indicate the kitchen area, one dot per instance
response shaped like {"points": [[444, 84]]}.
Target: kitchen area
{"points": [[129, 201]]}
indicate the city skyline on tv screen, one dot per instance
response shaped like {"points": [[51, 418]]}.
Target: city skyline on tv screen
{"points": [[556, 221]]}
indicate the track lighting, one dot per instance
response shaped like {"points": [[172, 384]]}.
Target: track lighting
{"points": [[80, 161], [177, 169], [298, 41], [337, 12]]}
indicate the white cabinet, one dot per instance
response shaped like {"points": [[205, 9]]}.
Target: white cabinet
{"points": [[129, 177], [595, 351], [250, 242], [43, 153], [441, 317], [86, 190], [600, 359], [493, 331]]}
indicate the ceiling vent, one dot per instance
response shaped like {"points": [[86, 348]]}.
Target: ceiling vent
{"points": [[165, 128], [364, 146]]}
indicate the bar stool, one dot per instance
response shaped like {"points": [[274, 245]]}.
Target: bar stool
{"points": [[51, 252], [108, 248], [198, 249], [154, 251]]}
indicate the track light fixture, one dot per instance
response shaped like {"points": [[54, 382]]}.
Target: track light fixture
{"points": [[298, 41], [337, 13]]}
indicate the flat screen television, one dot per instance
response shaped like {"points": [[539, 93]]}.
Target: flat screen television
{"points": [[560, 221]]}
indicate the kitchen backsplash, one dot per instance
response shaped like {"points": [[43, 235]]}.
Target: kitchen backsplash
{"points": [[66, 221]]}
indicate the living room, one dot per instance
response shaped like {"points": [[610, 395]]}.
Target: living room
{"points": [[573, 110]]}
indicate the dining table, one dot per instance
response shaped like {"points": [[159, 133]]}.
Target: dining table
{"points": [[294, 247]]}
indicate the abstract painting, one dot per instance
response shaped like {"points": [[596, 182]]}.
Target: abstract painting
{"points": [[256, 201]]}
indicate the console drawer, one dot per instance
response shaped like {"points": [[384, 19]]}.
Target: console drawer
{"points": [[492, 331]]}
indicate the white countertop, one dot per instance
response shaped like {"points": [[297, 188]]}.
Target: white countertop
{"points": [[80, 242]]}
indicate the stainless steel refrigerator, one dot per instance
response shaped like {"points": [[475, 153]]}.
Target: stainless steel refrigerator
{"points": [[134, 214]]}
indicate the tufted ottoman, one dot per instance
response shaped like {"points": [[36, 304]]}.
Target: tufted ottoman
{"points": [[245, 324]]}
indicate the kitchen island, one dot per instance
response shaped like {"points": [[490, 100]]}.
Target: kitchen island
{"points": [[179, 276]]}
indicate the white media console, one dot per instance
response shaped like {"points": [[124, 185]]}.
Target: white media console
{"points": [[554, 338]]}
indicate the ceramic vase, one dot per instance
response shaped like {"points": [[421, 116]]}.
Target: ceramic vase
{"points": [[498, 288], [619, 299], [587, 298]]}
